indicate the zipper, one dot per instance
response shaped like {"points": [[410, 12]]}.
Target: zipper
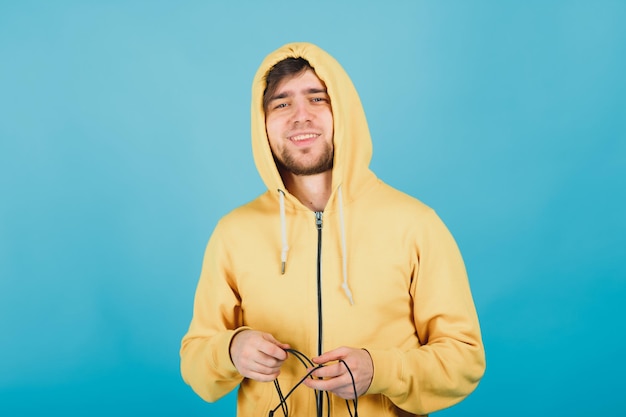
{"points": [[318, 225]]}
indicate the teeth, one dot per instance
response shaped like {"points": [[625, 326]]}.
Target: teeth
{"points": [[303, 137]]}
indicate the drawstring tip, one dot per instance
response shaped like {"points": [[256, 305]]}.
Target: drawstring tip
{"points": [[282, 268], [348, 293]]}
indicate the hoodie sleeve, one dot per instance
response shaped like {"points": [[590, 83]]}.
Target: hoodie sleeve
{"points": [[205, 350], [450, 360]]}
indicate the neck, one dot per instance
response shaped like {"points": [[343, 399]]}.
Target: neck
{"points": [[311, 190]]}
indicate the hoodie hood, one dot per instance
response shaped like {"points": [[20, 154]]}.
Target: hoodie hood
{"points": [[352, 141]]}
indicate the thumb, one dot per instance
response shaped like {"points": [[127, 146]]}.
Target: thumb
{"points": [[272, 339]]}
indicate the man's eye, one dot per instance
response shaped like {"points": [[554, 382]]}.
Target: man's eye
{"points": [[280, 105], [318, 99]]}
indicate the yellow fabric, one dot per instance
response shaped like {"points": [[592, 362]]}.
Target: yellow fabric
{"points": [[413, 310]]}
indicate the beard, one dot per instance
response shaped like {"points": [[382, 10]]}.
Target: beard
{"points": [[289, 162]]}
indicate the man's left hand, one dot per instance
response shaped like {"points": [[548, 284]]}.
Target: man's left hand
{"points": [[335, 376]]}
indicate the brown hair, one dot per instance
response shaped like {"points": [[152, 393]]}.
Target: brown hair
{"points": [[288, 67]]}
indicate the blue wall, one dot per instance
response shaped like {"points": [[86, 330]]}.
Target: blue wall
{"points": [[124, 136]]}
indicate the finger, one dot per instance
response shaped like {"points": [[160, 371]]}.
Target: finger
{"points": [[329, 371], [263, 368], [270, 350], [262, 377], [272, 339], [274, 348], [259, 368], [263, 360], [340, 385], [332, 355]]}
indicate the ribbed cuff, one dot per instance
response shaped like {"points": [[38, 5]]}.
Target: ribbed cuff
{"points": [[222, 359], [386, 372]]}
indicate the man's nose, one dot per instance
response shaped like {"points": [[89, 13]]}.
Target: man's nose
{"points": [[302, 112]]}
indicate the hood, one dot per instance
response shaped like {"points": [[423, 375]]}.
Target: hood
{"points": [[352, 141]]}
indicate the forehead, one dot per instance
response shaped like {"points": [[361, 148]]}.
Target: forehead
{"points": [[304, 81]]}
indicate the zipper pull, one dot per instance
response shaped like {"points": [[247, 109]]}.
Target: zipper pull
{"points": [[318, 220]]}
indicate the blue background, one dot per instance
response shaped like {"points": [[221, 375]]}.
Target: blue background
{"points": [[124, 137]]}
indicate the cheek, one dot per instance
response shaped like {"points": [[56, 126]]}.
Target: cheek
{"points": [[271, 130], [273, 137]]}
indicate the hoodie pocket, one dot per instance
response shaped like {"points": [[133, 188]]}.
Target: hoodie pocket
{"points": [[372, 405], [255, 398]]}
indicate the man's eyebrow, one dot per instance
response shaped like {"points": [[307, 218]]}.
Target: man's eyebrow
{"points": [[316, 91], [279, 96], [289, 94]]}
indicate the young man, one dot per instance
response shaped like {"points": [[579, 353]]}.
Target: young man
{"points": [[331, 262]]}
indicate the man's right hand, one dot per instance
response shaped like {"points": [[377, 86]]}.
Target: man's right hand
{"points": [[257, 355]]}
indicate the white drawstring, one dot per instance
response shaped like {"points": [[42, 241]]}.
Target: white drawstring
{"points": [[344, 254], [283, 229]]}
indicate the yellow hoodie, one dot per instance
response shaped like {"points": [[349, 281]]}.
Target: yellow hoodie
{"points": [[391, 279]]}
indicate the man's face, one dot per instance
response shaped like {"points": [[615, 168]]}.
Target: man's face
{"points": [[299, 124]]}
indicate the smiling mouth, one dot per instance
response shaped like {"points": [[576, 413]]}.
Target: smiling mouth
{"points": [[306, 136]]}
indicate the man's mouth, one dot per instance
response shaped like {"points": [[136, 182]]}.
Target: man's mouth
{"points": [[303, 137]]}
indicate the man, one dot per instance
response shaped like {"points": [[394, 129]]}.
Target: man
{"points": [[331, 262]]}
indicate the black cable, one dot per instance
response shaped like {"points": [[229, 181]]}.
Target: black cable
{"points": [[355, 401], [284, 399], [307, 362], [301, 357]]}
